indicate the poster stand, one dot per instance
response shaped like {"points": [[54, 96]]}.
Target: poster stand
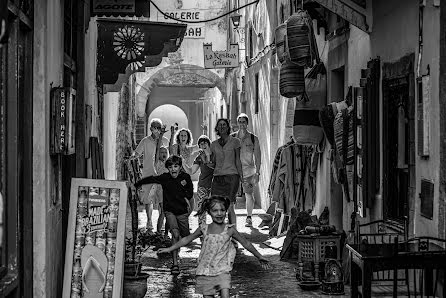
{"points": [[94, 258]]}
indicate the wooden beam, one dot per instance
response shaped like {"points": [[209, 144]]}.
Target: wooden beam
{"points": [[351, 12]]}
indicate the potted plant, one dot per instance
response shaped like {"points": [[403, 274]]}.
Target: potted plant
{"points": [[135, 282]]}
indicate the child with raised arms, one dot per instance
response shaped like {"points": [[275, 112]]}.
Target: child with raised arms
{"points": [[217, 252]]}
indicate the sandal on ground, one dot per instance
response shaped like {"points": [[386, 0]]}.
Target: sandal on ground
{"points": [[175, 270]]}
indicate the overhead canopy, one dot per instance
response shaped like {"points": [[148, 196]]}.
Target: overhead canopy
{"points": [[356, 12], [126, 42]]}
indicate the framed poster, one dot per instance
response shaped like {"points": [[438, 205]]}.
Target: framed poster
{"points": [[94, 258]]}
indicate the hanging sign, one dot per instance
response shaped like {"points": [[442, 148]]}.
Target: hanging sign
{"points": [[120, 8], [221, 59], [95, 238], [63, 122], [194, 31]]}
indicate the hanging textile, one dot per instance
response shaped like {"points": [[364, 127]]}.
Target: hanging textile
{"points": [[292, 183]]}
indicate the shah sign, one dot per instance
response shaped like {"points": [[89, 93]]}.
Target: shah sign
{"points": [[195, 31], [221, 59]]}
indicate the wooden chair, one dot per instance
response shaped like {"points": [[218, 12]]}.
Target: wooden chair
{"points": [[380, 232], [421, 281]]}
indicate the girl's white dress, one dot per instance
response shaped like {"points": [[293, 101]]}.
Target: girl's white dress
{"points": [[217, 253]]}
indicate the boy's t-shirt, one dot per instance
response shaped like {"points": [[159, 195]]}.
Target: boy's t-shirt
{"points": [[206, 173], [175, 191]]}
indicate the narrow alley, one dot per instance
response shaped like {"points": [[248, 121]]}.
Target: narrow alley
{"points": [[317, 126]]}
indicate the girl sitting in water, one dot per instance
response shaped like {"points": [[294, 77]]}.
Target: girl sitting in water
{"points": [[217, 252]]}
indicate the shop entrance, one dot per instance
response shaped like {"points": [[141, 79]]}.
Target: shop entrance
{"points": [[396, 132]]}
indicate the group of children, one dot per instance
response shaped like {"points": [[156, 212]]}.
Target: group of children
{"points": [[173, 191]]}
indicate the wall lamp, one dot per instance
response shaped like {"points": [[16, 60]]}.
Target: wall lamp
{"points": [[235, 18]]}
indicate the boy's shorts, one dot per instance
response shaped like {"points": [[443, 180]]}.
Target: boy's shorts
{"points": [[226, 185], [178, 222]]}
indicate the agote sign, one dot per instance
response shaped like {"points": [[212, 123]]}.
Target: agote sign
{"points": [[121, 7], [221, 59]]}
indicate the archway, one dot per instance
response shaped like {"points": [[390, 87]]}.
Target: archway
{"points": [[170, 114], [181, 75], [185, 86]]}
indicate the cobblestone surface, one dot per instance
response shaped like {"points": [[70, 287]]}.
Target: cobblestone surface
{"points": [[248, 278]]}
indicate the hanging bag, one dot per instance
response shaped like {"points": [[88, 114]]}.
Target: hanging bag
{"points": [[316, 86], [307, 127], [300, 42]]}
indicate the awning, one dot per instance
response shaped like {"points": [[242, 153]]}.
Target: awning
{"points": [[123, 43], [356, 12]]}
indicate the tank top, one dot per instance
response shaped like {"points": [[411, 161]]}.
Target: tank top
{"points": [[217, 253]]}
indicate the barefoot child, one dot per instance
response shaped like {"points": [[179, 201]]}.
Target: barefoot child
{"points": [[177, 191], [217, 252], [204, 163]]}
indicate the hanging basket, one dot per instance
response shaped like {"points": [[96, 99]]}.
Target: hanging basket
{"points": [[291, 80], [280, 37], [299, 39]]}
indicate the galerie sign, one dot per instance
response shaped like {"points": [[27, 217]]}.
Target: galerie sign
{"points": [[221, 59], [195, 31]]}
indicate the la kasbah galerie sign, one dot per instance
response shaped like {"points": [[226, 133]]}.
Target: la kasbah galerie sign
{"points": [[221, 59]]}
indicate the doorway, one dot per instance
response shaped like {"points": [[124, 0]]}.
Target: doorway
{"points": [[396, 131], [336, 94]]}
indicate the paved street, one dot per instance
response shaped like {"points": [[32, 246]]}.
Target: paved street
{"points": [[248, 278]]}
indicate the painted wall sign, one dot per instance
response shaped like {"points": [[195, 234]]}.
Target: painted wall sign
{"points": [[95, 238], [221, 59], [194, 31]]}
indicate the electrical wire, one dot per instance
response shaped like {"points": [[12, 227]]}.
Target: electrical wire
{"points": [[202, 21]]}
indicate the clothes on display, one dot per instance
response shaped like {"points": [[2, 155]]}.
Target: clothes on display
{"points": [[292, 184], [337, 122]]}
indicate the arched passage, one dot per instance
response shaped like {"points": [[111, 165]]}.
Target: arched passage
{"points": [[183, 85], [182, 75], [170, 114]]}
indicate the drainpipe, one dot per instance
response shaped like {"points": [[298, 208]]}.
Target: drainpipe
{"points": [[420, 36]]}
